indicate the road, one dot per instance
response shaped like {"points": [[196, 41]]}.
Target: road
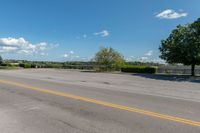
{"points": [[64, 101]]}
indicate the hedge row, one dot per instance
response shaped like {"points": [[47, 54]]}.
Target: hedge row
{"points": [[138, 69]]}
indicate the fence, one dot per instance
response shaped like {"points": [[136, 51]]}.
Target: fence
{"points": [[180, 70], [177, 70]]}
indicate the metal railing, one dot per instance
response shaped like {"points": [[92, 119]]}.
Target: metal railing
{"points": [[177, 70]]}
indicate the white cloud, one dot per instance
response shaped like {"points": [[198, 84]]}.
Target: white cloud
{"points": [[171, 14], [147, 59], [21, 46], [149, 53], [84, 36], [65, 55], [103, 33], [71, 52], [7, 49], [131, 58], [158, 61], [70, 55], [144, 58]]}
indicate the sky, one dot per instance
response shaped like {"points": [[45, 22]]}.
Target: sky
{"points": [[74, 30]]}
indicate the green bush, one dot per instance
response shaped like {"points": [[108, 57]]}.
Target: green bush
{"points": [[138, 69], [5, 64], [21, 65], [108, 59], [25, 65]]}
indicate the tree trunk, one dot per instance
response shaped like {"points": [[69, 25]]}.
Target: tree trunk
{"points": [[193, 69]]}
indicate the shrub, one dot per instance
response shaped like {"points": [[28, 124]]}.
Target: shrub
{"points": [[138, 69], [25, 65], [108, 59], [4, 64], [33, 66], [21, 65]]}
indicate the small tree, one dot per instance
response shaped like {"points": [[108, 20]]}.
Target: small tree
{"points": [[108, 58], [183, 46], [1, 60]]}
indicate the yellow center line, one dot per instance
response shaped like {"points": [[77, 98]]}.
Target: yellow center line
{"points": [[107, 104]]}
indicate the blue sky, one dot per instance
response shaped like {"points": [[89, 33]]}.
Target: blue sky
{"points": [[61, 30]]}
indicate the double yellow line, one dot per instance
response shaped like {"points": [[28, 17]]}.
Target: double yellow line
{"points": [[107, 104]]}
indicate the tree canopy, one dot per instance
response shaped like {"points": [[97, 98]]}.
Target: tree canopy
{"points": [[183, 45], [109, 58]]}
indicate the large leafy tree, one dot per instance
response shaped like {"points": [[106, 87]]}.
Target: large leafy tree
{"points": [[109, 58], [183, 45]]}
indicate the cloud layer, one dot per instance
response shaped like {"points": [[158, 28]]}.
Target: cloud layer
{"points": [[171, 14], [149, 53], [103, 33], [21, 46], [146, 56]]}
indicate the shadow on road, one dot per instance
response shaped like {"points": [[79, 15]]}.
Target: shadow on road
{"points": [[89, 71], [178, 78]]}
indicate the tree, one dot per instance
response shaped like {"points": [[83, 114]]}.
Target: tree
{"points": [[183, 46], [1, 60], [109, 58]]}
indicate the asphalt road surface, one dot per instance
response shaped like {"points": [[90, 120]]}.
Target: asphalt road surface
{"points": [[64, 101]]}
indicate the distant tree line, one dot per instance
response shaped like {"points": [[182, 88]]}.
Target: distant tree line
{"points": [[107, 59], [181, 47], [47, 64]]}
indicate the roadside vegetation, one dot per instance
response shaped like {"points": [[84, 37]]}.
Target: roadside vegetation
{"points": [[108, 59], [139, 69], [182, 47], [131, 67]]}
